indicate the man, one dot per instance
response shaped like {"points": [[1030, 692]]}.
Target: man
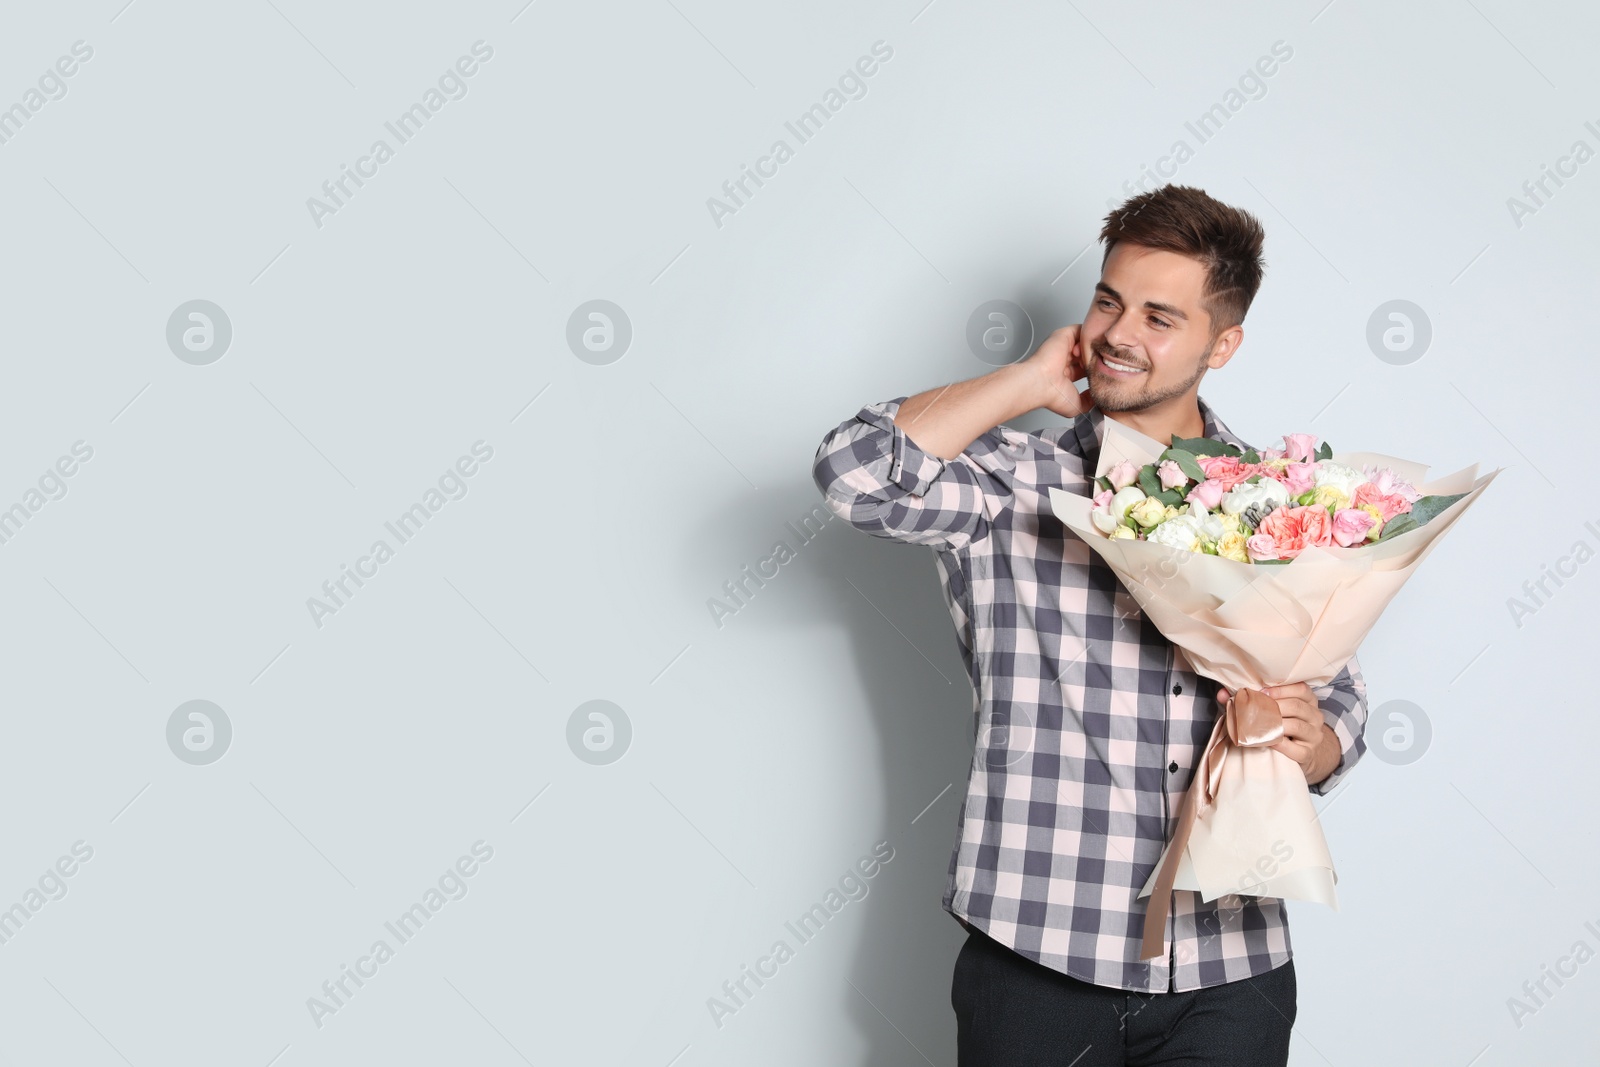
{"points": [[1092, 721]]}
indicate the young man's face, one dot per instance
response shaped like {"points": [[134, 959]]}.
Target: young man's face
{"points": [[1146, 315]]}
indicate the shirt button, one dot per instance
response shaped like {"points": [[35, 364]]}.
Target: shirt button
{"points": [[1176, 689], [1173, 767]]}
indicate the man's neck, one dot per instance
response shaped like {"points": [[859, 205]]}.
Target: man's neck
{"points": [[1178, 417]]}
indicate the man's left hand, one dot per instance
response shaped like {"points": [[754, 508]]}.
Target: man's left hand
{"points": [[1306, 739]]}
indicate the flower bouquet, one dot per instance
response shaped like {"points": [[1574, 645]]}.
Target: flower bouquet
{"points": [[1265, 568]]}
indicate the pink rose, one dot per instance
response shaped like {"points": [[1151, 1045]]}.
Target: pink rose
{"points": [[1388, 505], [1293, 530], [1260, 546], [1228, 470], [1272, 453], [1208, 494], [1171, 474], [1123, 474], [1102, 499], [1300, 446], [1300, 477], [1389, 483], [1350, 526]]}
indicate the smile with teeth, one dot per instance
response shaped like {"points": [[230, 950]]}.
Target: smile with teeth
{"points": [[1120, 368]]}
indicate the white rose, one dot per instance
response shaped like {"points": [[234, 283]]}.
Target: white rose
{"points": [[1341, 477], [1125, 498], [1183, 532], [1212, 527], [1121, 501], [1268, 491]]}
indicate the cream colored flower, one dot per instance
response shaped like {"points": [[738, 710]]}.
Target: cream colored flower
{"points": [[1377, 521], [1148, 512], [1330, 496], [1121, 532], [1232, 546]]}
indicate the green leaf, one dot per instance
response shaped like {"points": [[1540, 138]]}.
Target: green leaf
{"points": [[1251, 456], [1422, 510], [1186, 463], [1305, 498], [1148, 480], [1427, 507], [1398, 525], [1103, 482], [1254, 478], [1260, 562], [1324, 452], [1204, 446], [1173, 497]]}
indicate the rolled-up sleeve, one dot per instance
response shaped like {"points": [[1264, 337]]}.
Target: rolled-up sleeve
{"points": [[876, 478], [1344, 708]]}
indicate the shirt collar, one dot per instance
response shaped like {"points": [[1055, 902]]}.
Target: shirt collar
{"points": [[1090, 430]]}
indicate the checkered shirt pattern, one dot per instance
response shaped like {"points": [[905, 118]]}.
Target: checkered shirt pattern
{"points": [[1089, 721]]}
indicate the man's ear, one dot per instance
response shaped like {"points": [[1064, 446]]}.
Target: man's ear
{"points": [[1227, 344]]}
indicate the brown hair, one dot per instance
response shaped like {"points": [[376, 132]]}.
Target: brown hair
{"points": [[1226, 240]]}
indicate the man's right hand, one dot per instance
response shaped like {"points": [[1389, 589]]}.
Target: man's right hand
{"points": [[1058, 364]]}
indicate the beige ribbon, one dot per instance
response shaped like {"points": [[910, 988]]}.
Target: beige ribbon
{"points": [[1250, 720]]}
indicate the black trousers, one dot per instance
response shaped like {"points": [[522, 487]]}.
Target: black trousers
{"points": [[1013, 1012]]}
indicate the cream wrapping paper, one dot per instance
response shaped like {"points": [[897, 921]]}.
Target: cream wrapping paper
{"points": [[1249, 626]]}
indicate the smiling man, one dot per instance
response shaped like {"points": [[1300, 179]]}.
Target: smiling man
{"points": [[1090, 721]]}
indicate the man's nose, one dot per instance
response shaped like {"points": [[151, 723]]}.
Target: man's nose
{"points": [[1120, 334]]}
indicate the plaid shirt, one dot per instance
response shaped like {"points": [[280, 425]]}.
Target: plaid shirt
{"points": [[1090, 721]]}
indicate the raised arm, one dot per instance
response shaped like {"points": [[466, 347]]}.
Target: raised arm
{"points": [[931, 468]]}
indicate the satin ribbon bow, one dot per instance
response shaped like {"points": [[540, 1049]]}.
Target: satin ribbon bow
{"points": [[1250, 720]]}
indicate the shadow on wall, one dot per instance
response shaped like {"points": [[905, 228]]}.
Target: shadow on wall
{"points": [[904, 671]]}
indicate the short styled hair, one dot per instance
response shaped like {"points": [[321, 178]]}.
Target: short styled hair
{"points": [[1226, 240]]}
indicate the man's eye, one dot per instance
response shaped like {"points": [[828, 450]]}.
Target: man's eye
{"points": [[1159, 322], [1104, 302]]}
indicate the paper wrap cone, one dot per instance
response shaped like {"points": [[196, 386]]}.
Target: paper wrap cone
{"points": [[1247, 824]]}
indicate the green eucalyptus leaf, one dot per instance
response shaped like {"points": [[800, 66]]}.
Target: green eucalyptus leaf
{"points": [[1186, 463], [1148, 480], [1204, 446], [1398, 525], [1427, 507]]}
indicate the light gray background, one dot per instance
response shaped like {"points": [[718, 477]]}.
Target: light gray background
{"points": [[831, 713]]}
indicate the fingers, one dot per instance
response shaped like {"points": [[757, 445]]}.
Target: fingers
{"points": [[1295, 750], [1302, 731]]}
